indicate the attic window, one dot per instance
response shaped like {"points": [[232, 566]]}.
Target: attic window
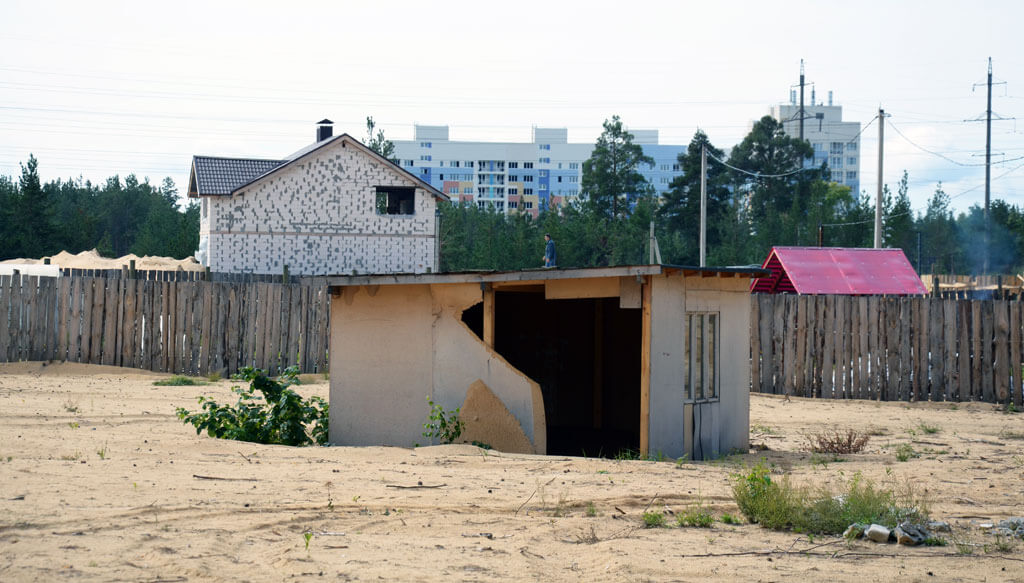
{"points": [[395, 200]]}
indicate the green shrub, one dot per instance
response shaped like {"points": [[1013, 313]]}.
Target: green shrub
{"points": [[179, 381], [277, 415], [763, 500], [653, 520], [905, 451], [729, 519], [697, 516], [779, 505], [443, 425]]}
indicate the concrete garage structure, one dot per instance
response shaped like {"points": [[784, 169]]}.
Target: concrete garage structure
{"points": [[651, 358]]}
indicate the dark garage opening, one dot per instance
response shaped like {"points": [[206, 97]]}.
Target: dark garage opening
{"points": [[585, 354]]}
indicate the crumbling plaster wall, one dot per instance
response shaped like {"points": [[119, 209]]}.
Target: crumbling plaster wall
{"points": [[393, 346], [319, 217]]}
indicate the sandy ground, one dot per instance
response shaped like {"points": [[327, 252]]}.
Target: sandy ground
{"points": [[100, 481]]}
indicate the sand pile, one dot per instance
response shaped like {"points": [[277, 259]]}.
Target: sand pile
{"points": [[91, 259]]}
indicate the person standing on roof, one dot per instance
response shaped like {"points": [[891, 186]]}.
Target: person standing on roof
{"points": [[550, 257]]}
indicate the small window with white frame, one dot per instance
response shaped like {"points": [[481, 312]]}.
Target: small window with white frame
{"points": [[700, 356]]}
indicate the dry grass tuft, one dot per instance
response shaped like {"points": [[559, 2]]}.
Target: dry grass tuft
{"points": [[837, 441]]}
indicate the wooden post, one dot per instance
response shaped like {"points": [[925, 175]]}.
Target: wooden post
{"points": [[1001, 321], [828, 384], [755, 343], [488, 290], [598, 386], [284, 274], [645, 368], [131, 268], [766, 313]]}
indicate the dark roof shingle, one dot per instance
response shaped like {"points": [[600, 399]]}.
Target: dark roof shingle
{"points": [[221, 176]]}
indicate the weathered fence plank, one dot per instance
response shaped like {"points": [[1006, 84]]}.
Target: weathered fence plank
{"points": [[987, 386], [964, 350], [801, 363], [52, 317], [767, 348], [262, 321], [949, 350], [828, 381], [976, 351], [1016, 389], [64, 315], [111, 306], [1001, 321], [892, 337], [789, 345]]}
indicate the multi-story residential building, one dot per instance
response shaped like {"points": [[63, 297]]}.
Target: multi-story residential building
{"points": [[519, 176], [835, 141]]}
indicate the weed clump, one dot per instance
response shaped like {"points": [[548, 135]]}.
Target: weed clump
{"points": [[179, 381], [837, 441], [653, 520], [905, 451], [697, 516], [780, 505], [277, 415], [443, 425]]}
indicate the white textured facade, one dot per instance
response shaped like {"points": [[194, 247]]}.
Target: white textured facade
{"points": [[318, 214]]}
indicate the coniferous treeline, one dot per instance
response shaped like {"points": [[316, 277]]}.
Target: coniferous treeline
{"points": [[117, 218], [756, 200]]}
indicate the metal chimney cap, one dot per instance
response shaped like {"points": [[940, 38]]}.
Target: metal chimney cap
{"points": [[324, 121]]}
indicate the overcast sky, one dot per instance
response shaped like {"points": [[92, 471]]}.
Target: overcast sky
{"points": [[96, 88]]}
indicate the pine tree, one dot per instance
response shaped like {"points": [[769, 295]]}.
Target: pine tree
{"points": [[611, 176]]}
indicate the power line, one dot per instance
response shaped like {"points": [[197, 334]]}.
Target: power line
{"points": [[943, 156], [756, 174], [911, 211]]}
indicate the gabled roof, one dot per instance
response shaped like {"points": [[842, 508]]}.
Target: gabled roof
{"points": [[838, 270], [346, 141], [213, 176], [228, 176]]}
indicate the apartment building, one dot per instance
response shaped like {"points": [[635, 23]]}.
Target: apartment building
{"points": [[518, 176], [835, 141]]}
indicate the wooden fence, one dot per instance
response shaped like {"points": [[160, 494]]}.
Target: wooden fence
{"points": [[887, 348], [183, 275], [183, 327]]}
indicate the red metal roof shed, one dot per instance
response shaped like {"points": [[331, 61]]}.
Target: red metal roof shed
{"points": [[838, 270]]}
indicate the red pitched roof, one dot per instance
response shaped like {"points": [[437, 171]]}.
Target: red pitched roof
{"points": [[837, 270]]}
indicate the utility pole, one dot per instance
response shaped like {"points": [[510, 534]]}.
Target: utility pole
{"points": [[986, 236], [801, 113], [988, 162], [704, 203], [878, 197]]}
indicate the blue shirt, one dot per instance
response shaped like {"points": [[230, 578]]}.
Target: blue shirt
{"points": [[549, 254]]}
